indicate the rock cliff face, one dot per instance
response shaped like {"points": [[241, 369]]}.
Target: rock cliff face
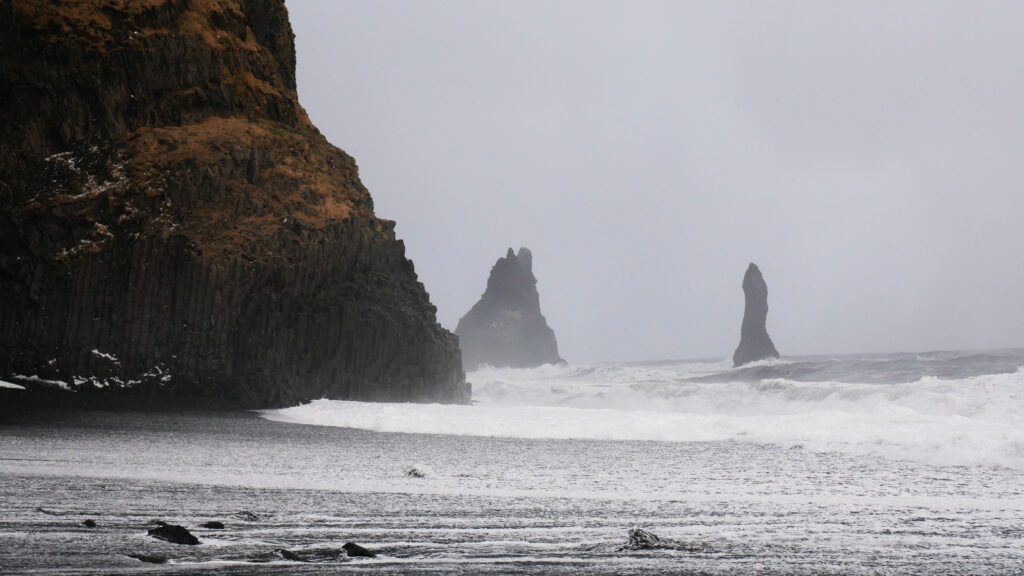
{"points": [[755, 344], [173, 226], [505, 328]]}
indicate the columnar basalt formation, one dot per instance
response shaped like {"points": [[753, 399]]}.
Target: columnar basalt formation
{"points": [[755, 344], [506, 328], [172, 226]]}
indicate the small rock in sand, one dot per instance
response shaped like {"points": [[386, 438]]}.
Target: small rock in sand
{"points": [[288, 555], [355, 550], [640, 538], [419, 471], [148, 558], [174, 534]]}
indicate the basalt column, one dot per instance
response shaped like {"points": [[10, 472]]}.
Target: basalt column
{"points": [[173, 227]]}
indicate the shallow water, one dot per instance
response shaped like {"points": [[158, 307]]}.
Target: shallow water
{"points": [[494, 505], [903, 470]]}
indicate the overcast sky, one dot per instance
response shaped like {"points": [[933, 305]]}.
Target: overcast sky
{"points": [[869, 157]]}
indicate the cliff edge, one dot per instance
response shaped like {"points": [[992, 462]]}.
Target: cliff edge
{"points": [[174, 227], [506, 328], [755, 344]]}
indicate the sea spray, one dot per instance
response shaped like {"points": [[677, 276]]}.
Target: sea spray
{"points": [[969, 420]]}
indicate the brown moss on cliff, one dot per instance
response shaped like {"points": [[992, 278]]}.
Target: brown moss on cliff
{"points": [[94, 24], [96, 71], [170, 204], [233, 160], [231, 183]]}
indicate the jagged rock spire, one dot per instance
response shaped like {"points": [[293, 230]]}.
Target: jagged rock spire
{"points": [[755, 344], [506, 328]]}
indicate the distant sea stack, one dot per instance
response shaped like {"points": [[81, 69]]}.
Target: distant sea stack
{"points": [[505, 328], [173, 227], [755, 344]]}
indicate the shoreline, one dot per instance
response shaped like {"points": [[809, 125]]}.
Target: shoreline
{"points": [[488, 505]]}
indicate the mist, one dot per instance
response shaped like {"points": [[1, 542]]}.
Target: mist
{"points": [[867, 156]]}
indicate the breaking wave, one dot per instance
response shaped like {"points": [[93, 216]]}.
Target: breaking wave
{"points": [[956, 421]]}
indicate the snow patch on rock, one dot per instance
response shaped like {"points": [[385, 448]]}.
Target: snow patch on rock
{"points": [[37, 380], [11, 386]]}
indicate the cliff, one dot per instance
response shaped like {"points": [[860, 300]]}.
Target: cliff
{"points": [[174, 227], [755, 344], [506, 328]]}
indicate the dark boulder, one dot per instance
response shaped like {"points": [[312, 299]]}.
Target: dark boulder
{"points": [[506, 328], [755, 344], [213, 525], [89, 523], [355, 550], [174, 534]]}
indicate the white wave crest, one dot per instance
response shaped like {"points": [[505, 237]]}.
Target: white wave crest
{"points": [[966, 421]]}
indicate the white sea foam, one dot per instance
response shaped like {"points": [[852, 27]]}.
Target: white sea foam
{"points": [[11, 386], [36, 379], [964, 421]]}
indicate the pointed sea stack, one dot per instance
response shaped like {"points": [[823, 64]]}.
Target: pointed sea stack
{"points": [[505, 328], [755, 344], [174, 229]]}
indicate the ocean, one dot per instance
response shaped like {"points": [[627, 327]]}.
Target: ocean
{"points": [[869, 464]]}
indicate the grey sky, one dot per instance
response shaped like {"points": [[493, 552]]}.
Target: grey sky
{"points": [[867, 156]]}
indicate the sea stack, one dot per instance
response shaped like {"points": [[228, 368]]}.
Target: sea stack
{"points": [[755, 344], [506, 328], [174, 229]]}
